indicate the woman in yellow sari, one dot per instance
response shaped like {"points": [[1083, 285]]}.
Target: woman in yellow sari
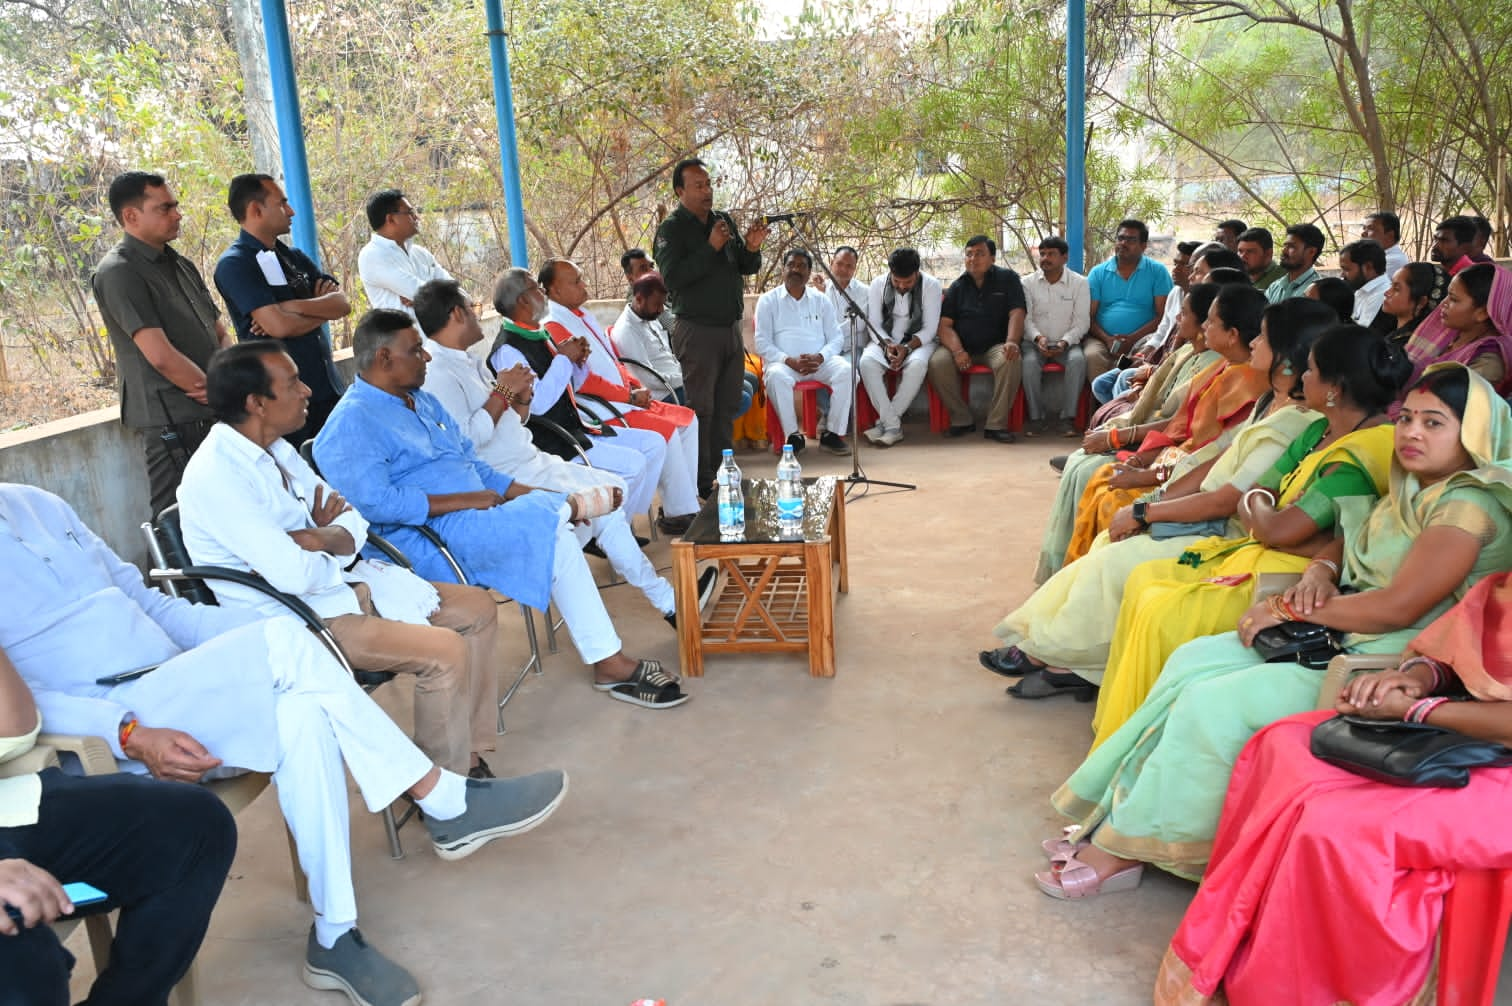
{"points": [[1352, 377], [1221, 399]]}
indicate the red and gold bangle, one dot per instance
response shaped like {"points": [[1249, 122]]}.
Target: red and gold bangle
{"points": [[1113, 437], [127, 729], [503, 394]]}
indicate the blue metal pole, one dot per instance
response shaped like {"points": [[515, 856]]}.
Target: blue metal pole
{"points": [[1076, 131], [509, 150], [290, 127]]}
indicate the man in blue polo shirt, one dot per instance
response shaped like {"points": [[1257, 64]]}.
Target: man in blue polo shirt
{"points": [[1128, 298], [273, 291]]}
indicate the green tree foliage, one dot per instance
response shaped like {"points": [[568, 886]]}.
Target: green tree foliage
{"points": [[1326, 111]]}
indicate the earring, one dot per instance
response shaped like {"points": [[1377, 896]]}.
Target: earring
{"points": [[1331, 400]]}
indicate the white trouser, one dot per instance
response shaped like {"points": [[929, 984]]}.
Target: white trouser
{"points": [[679, 478], [577, 597], [638, 469], [324, 718], [835, 372], [624, 553], [915, 369]]}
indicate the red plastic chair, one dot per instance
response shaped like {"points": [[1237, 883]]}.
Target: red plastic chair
{"points": [[939, 419], [1083, 401], [1472, 937], [809, 422]]}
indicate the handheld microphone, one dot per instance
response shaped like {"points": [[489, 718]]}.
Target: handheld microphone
{"points": [[782, 218]]}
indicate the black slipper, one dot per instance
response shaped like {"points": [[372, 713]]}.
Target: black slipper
{"points": [[1044, 684], [1009, 661]]}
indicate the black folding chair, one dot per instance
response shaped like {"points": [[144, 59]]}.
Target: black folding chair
{"points": [[174, 573]]}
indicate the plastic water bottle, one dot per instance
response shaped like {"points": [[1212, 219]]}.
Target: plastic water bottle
{"points": [[731, 499], [789, 495]]}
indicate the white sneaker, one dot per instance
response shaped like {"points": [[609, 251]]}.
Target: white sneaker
{"points": [[874, 434], [890, 437]]}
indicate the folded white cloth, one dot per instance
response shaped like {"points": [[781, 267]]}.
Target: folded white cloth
{"points": [[397, 592]]}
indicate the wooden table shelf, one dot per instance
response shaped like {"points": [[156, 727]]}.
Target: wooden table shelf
{"points": [[776, 595]]}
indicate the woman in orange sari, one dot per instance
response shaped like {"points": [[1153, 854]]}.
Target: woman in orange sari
{"points": [[1221, 398]]}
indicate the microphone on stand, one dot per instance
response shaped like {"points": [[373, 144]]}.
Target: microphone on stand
{"points": [[784, 218]]}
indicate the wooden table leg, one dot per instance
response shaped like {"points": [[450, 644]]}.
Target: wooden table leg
{"points": [[689, 618], [817, 559], [837, 536]]}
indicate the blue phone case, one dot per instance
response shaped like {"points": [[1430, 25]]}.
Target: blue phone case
{"points": [[82, 894]]}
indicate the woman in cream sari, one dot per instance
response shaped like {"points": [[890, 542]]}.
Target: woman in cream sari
{"points": [[1152, 793], [1068, 622], [1290, 516]]}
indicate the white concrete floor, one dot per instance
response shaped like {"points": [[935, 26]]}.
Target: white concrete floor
{"points": [[868, 839]]}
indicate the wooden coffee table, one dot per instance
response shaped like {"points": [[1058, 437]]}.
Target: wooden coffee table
{"points": [[777, 596]]}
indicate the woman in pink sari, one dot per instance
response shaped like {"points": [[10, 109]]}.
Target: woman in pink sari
{"points": [[1326, 887], [1472, 326]]}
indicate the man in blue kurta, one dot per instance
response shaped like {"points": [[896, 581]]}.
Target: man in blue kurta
{"points": [[397, 456]]}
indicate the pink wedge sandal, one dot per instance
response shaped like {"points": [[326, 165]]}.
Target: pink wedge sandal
{"points": [[1076, 880]]}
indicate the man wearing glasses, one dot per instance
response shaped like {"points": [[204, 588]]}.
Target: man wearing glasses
{"points": [[391, 264], [1128, 297]]}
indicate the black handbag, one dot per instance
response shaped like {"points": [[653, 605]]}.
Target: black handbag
{"points": [[1404, 754], [1306, 643]]}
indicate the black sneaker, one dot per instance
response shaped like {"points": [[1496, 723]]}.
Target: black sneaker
{"points": [[367, 977], [797, 442], [834, 443], [676, 524], [497, 808], [480, 770]]}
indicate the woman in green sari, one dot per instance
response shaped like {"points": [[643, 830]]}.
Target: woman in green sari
{"points": [[1152, 793], [1068, 622], [1354, 375]]}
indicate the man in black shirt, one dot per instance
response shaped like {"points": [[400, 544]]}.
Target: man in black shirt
{"points": [[982, 324]]}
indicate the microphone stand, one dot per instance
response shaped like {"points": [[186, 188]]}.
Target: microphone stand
{"points": [[857, 477]]}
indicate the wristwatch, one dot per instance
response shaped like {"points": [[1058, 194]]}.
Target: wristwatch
{"points": [[1139, 510]]}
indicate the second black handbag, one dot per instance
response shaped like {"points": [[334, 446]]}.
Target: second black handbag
{"points": [[1404, 754]]}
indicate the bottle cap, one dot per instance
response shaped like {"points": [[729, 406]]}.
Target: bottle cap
{"points": [[728, 453]]}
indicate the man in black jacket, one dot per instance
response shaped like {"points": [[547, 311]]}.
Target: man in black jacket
{"points": [[703, 260]]}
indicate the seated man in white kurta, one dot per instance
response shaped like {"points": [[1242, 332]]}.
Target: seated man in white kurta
{"points": [[609, 379], [799, 340], [180, 689], [493, 414]]}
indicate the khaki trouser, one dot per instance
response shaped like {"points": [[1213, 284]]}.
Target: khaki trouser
{"points": [[1099, 359], [946, 381], [456, 686]]}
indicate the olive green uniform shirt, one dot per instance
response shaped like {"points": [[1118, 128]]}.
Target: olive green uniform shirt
{"points": [[136, 287]]}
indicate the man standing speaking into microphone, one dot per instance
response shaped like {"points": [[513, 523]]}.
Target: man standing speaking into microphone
{"points": [[703, 259]]}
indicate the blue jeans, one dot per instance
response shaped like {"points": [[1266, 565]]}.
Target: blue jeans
{"points": [[1106, 387]]}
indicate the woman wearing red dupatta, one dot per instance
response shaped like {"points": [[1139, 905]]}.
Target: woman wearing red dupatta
{"points": [[1326, 887], [1472, 326]]}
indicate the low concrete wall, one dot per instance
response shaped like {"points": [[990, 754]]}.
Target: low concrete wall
{"points": [[96, 464]]}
